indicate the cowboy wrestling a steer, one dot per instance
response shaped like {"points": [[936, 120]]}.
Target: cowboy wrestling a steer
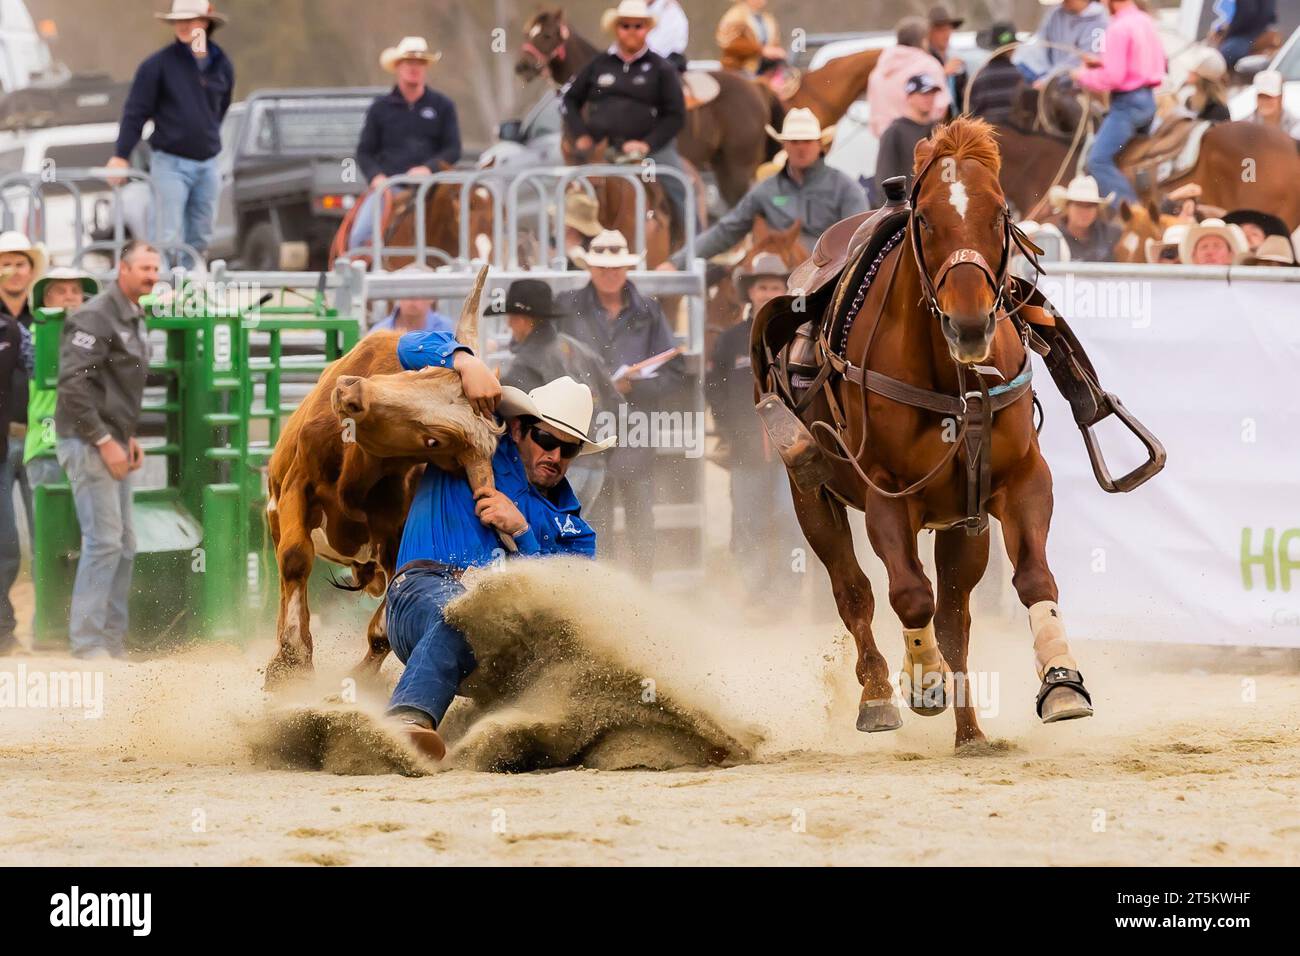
{"points": [[450, 527]]}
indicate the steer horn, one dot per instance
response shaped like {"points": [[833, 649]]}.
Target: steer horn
{"points": [[467, 327]]}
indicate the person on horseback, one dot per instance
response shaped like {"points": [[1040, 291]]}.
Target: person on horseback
{"points": [[993, 89], [1076, 24], [671, 33], [750, 41], [411, 129], [806, 190], [633, 98], [1204, 93], [1130, 68], [1249, 20]]}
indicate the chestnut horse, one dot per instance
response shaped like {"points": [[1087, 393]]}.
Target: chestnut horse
{"points": [[934, 325], [1140, 222], [725, 135], [441, 225], [828, 90], [724, 302]]}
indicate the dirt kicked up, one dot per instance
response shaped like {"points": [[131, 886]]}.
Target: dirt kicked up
{"points": [[183, 760]]}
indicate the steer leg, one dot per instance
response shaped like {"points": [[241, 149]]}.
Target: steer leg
{"points": [[826, 527], [925, 680], [295, 554], [1024, 506], [960, 560]]}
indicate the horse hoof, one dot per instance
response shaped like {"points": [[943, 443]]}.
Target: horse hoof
{"points": [[280, 672], [875, 716], [930, 700], [1064, 703]]}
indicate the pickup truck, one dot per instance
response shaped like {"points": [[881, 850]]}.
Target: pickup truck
{"points": [[288, 175]]}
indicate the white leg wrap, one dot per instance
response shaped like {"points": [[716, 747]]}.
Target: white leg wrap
{"points": [[1050, 647]]}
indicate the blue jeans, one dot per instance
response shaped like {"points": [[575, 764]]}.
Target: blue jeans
{"points": [[11, 556], [1129, 113], [1234, 48], [188, 189], [436, 655], [102, 587], [363, 226]]}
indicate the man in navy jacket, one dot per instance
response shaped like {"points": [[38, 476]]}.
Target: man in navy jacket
{"points": [[185, 89]]}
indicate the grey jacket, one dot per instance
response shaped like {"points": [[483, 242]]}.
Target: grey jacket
{"points": [[103, 362], [824, 198]]}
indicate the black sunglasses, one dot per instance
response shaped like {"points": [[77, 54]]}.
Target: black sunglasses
{"points": [[548, 442]]}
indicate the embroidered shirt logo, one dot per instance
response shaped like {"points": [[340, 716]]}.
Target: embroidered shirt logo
{"points": [[83, 340], [428, 112], [566, 526]]}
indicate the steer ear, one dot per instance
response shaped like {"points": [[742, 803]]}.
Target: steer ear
{"points": [[467, 327]]}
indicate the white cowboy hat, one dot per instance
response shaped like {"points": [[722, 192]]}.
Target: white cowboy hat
{"points": [[627, 10], [1268, 82], [1274, 249], [766, 265], [13, 241], [800, 124], [609, 251], [1208, 62], [1045, 230], [192, 10], [410, 48], [563, 404], [1232, 235], [1081, 189], [62, 274], [1172, 237]]}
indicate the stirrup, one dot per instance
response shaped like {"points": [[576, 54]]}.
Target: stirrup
{"points": [[1156, 456], [794, 443]]}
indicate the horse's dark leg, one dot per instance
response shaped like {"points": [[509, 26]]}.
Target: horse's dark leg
{"points": [[1023, 503], [960, 560], [825, 525], [926, 679]]}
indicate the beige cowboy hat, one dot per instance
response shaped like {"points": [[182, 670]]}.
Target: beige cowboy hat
{"points": [[609, 251], [800, 124], [14, 241], [62, 274], [1232, 235], [765, 265], [580, 213], [627, 10], [1172, 237], [410, 48], [192, 10], [1273, 251], [1081, 189], [1208, 62], [563, 404]]}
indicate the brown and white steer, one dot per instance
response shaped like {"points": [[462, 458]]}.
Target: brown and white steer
{"points": [[341, 492]]}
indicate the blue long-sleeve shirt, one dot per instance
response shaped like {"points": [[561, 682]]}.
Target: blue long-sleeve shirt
{"points": [[442, 526], [186, 102]]}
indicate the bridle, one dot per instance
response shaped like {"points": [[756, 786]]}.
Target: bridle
{"points": [[557, 55]]}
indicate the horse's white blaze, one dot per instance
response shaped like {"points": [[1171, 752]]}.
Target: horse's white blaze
{"points": [[957, 196], [483, 246], [1130, 242], [532, 34]]}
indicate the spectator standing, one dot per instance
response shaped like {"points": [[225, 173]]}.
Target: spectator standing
{"points": [[1268, 103], [885, 87], [624, 327], [1070, 28], [1130, 68], [898, 144], [185, 89], [1212, 243], [804, 189], [942, 26], [412, 129], [1089, 234], [103, 363], [762, 509]]}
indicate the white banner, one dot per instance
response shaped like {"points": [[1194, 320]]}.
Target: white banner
{"points": [[1208, 551]]}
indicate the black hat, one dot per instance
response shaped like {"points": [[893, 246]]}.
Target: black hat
{"points": [[527, 297], [1000, 33], [1271, 224], [921, 83]]}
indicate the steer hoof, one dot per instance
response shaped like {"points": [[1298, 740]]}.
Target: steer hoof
{"points": [[875, 716]]}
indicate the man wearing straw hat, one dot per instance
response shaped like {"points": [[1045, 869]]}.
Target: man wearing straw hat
{"points": [[631, 97], [1082, 220], [185, 89], [805, 189], [410, 130]]}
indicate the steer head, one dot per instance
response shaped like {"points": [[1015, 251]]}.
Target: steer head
{"points": [[422, 415]]}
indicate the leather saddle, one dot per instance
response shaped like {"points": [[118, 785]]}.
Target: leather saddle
{"points": [[843, 243], [1170, 150]]}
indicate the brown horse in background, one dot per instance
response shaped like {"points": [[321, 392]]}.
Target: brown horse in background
{"points": [[725, 135], [441, 225], [1140, 222], [935, 323], [829, 90], [725, 305]]}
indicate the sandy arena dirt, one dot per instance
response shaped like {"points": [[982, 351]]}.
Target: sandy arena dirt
{"points": [[1182, 765]]}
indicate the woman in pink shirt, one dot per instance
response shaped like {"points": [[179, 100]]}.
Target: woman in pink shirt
{"points": [[1131, 66]]}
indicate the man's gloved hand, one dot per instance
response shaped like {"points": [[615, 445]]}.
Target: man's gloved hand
{"points": [[497, 511]]}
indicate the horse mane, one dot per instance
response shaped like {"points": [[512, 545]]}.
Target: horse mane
{"points": [[966, 137]]}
